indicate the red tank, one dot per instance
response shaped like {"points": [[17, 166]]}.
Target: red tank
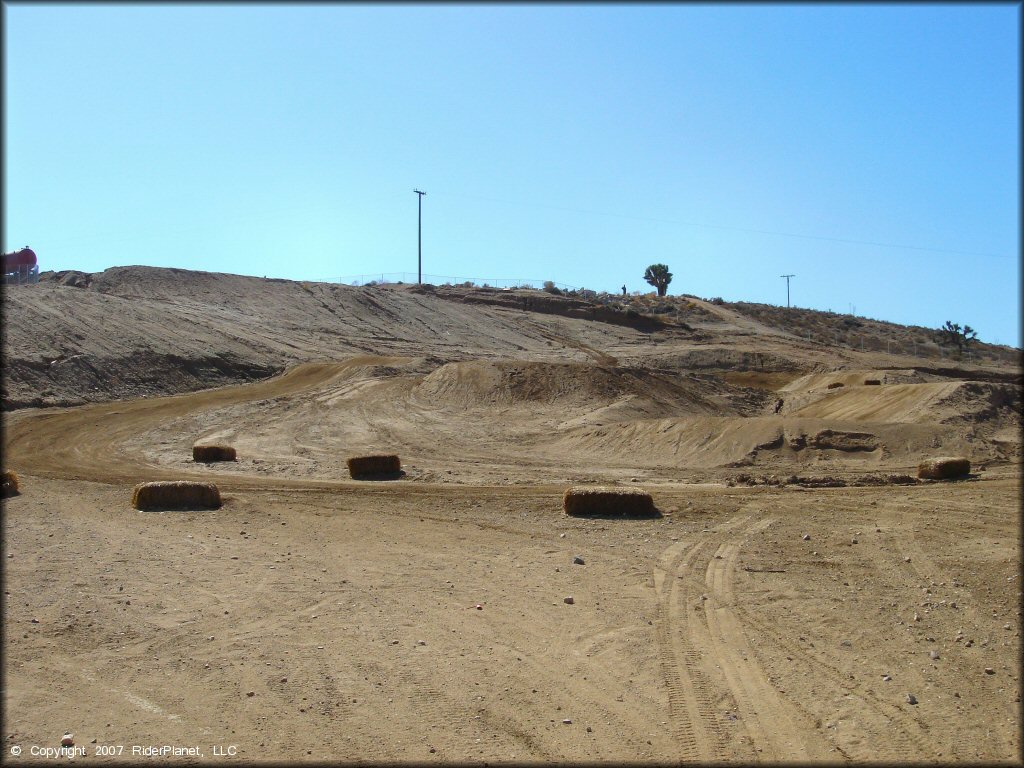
{"points": [[26, 257], [20, 267]]}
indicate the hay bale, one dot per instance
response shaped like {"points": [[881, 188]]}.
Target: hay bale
{"points": [[944, 468], [10, 484], [175, 494], [835, 385], [374, 466], [598, 500], [208, 453], [872, 382]]}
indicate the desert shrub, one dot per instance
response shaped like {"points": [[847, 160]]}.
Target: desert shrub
{"points": [[10, 487], [599, 500], [717, 300], [373, 466], [550, 287], [210, 453], [175, 494]]}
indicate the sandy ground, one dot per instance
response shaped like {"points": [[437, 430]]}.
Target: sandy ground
{"points": [[335, 620], [316, 618]]}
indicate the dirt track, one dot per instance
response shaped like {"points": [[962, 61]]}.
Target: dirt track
{"points": [[317, 618]]}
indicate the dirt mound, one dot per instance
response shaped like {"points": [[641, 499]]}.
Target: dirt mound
{"points": [[722, 358], [950, 402], [77, 379], [822, 380], [839, 440], [546, 303], [979, 402], [483, 383]]}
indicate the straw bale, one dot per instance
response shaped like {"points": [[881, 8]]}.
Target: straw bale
{"points": [[599, 500], [944, 468], [10, 484], [873, 382], [372, 466], [176, 494], [208, 453], [835, 385]]}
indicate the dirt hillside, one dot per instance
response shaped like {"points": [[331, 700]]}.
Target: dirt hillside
{"points": [[798, 595]]}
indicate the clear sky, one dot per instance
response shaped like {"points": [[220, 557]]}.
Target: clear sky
{"points": [[873, 151]]}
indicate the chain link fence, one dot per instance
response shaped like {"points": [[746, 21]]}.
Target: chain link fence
{"points": [[399, 278]]}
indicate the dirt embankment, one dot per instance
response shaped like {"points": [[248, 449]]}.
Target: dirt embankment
{"points": [[545, 303], [139, 331]]}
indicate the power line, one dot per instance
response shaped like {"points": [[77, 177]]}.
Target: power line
{"points": [[848, 241]]}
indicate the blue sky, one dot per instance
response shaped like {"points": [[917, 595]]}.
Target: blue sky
{"points": [[873, 151]]}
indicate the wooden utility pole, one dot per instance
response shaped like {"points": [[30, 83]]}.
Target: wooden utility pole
{"points": [[787, 287], [419, 258]]}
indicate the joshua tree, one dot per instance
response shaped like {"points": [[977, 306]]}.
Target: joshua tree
{"points": [[952, 333], [658, 276]]}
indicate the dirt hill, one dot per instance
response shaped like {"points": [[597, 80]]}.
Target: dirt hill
{"points": [[137, 331]]}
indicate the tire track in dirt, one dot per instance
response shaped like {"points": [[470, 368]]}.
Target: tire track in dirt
{"points": [[434, 709], [692, 713], [903, 741], [84, 443], [601, 358], [771, 722], [687, 721], [96, 682], [594, 694], [902, 736]]}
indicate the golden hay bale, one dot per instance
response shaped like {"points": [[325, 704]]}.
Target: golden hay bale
{"points": [[835, 385], [208, 453], [370, 466], [872, 382], [944, 468], [176, 494], [10, 484], [598, 500]]}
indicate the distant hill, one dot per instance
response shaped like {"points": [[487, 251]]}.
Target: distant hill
{"points": [[137, 331]]}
